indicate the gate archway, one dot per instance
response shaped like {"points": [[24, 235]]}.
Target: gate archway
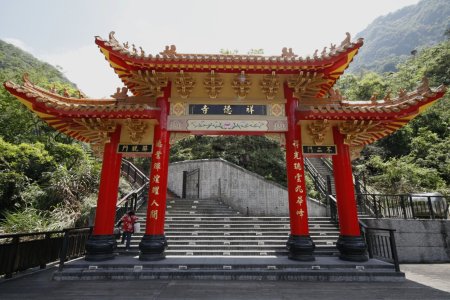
{"points": [[286, 97]]}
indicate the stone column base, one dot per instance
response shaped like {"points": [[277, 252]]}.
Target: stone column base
{"points": [[100, 247], [352, 248], [152, 247], [301, 247]]}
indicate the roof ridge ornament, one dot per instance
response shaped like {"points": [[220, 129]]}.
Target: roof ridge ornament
{"points": [[170, 51], [346, 41], [424, 86], [288, 53], [112, 39], [120, 94]]}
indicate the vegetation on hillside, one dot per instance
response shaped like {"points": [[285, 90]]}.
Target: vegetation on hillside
{"points": [[417, 157], [390, 39], [47, 180]]}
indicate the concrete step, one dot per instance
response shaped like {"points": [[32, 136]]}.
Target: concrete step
{"points": [[260, 267]]}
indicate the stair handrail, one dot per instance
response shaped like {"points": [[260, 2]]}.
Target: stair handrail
{"points": [[318, 180], [137, 197], [381, 246]]}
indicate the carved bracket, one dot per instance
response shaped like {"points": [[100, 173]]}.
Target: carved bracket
{"points": [[184, 83], [148, 83], [136, 130], [352, 129], [306, 84], [213, 84], [270, 85], [317, 129], [241, 85]]}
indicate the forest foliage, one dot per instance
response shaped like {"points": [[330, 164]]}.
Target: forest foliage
{"points": [[47, 180], [416, 158]]}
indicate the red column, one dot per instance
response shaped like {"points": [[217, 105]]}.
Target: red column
{"points": [[345, 192], [101, 244], [109, 186], [154, 243], [156, 209], [350, 244], [299, 244]]}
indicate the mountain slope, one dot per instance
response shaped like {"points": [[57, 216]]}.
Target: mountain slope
{"points": [[391, 38]]}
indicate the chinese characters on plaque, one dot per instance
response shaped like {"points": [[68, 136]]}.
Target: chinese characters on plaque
{"points": [[216, 109], [326, 150], [123, 148]]}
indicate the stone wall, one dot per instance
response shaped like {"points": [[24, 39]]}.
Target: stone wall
{"points": [[241, 189], [418, 241]]}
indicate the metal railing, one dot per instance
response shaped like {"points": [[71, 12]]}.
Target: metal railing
{"points": [[133, 200], [22, 251], [381, 244], [133, 174], [319, 182], [404, 206], [380, 241]]}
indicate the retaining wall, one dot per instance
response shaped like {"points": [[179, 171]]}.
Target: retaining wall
{"points": [[241, 189], [418, 241]]}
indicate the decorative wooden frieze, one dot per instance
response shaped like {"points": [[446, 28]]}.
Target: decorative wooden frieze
{"points": [[184, 83], [241, 85], [213, 85], [148, 83], [97, 124], [270, 85], [306, 84], [318, 129], [136, 130], [357, 131]]}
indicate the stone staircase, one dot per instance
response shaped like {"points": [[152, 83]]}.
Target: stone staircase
{"points": [[323, 170], [211, 228]]}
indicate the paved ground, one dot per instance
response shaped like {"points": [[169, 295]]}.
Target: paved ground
{"points": [[436, 276], [40, 286]]}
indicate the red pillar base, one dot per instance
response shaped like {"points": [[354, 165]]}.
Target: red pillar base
{"points": [[301, 247], [100, 247], [352, 248], [152, 247]]}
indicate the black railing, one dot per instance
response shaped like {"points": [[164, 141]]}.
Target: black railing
{"points": [[406, 206], [22, 251], [319, 182], [332, 206], [133, 200], [381, 244], [133, 174]]}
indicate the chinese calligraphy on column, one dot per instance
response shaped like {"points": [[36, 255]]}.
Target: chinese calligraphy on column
{"points": [[155, 180], [298, 180]]}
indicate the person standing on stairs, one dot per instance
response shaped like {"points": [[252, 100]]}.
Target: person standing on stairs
{"points": [[128, 220]]}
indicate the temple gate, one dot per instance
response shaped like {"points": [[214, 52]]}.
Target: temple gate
{"points": [[286, 98]]}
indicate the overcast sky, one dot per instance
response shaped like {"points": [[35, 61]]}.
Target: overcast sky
{"points": [[62, 32]]}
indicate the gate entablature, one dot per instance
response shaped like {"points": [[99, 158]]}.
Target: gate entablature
{"points": [[286, 98]]}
